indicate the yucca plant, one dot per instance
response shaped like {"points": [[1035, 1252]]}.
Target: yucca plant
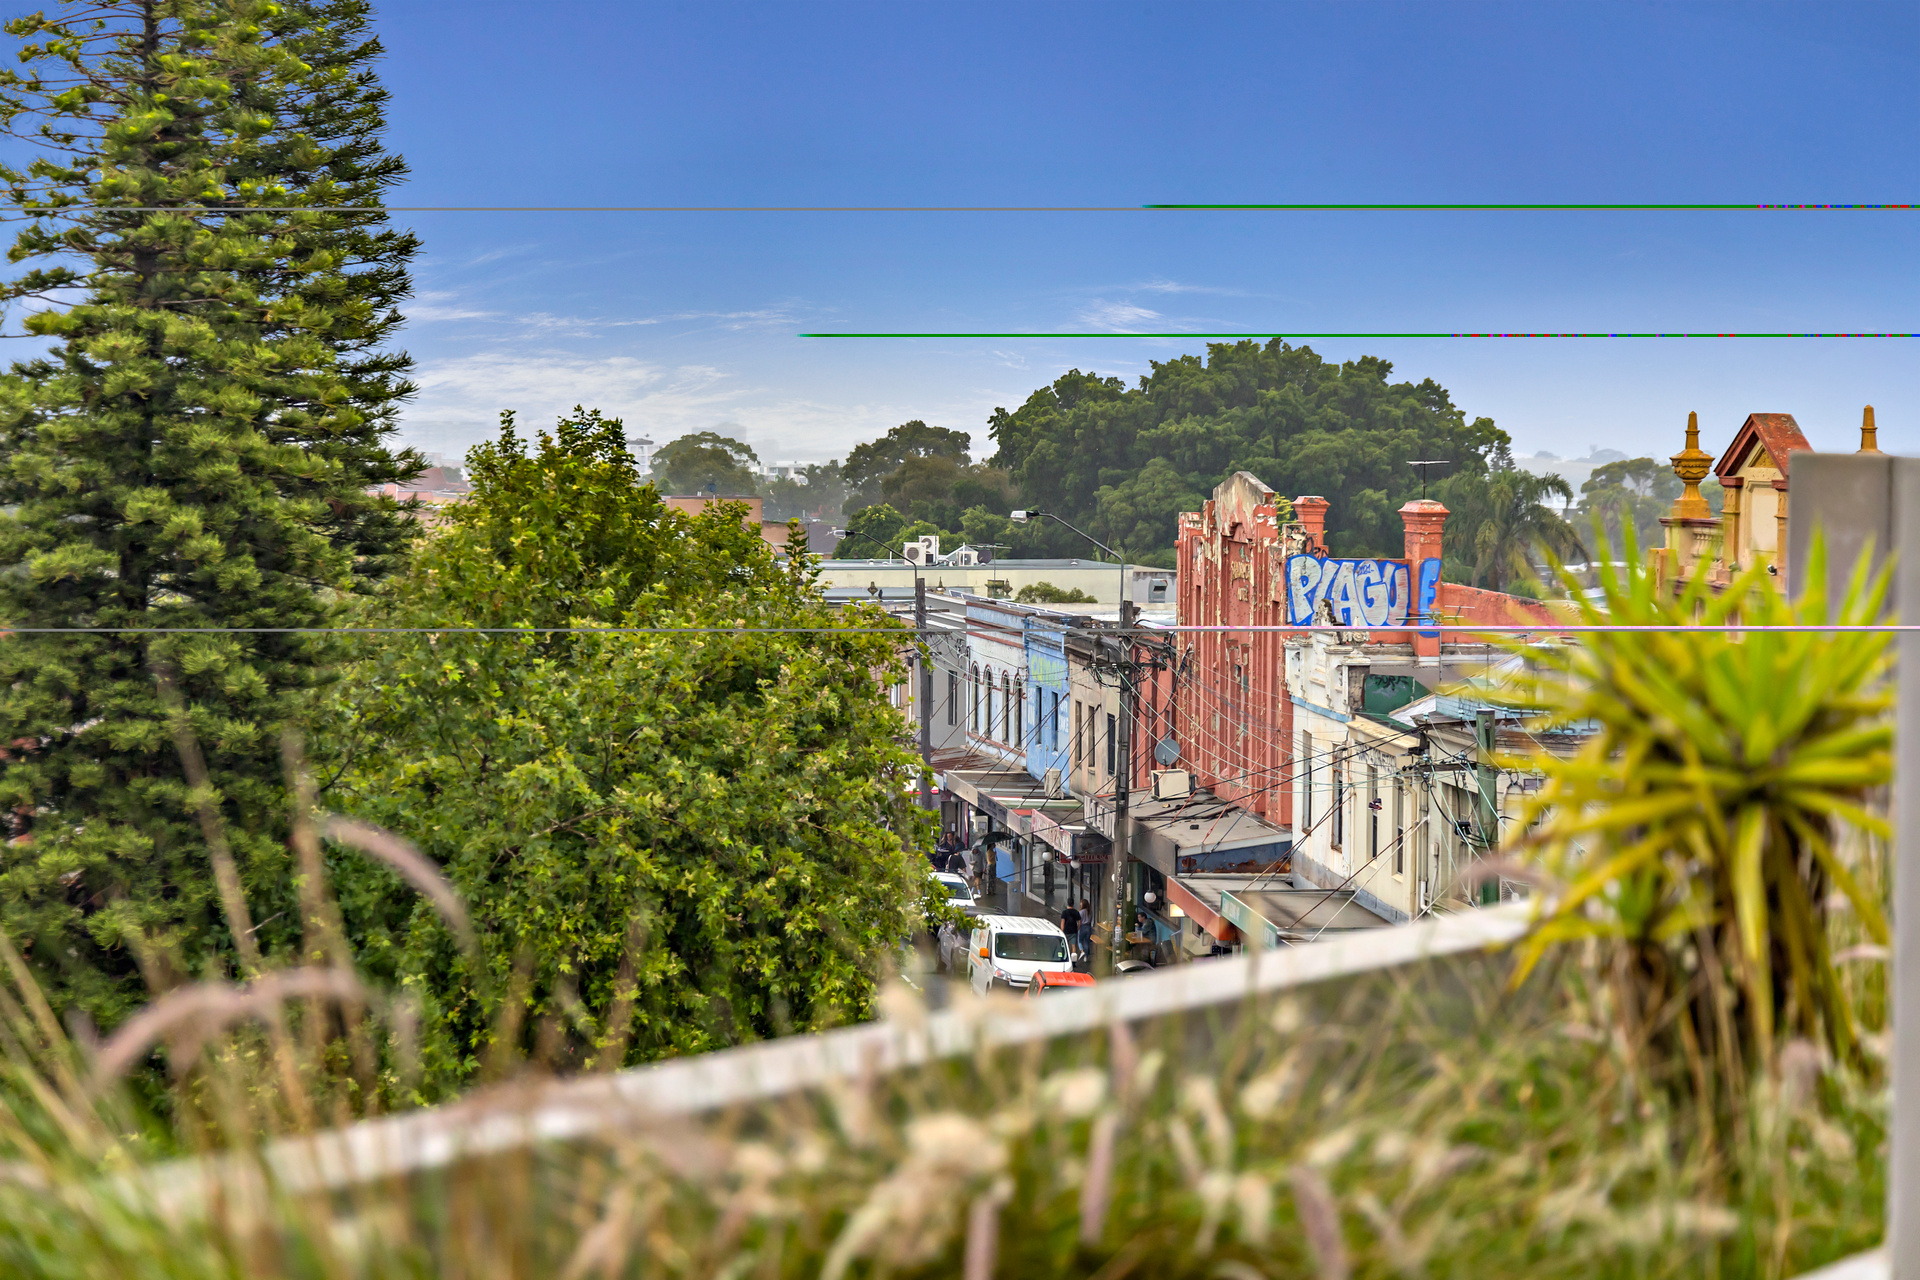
{"points": [[1713, 825]]}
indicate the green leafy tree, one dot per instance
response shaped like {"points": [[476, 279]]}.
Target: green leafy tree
{"points": [[1137, 511], [680, 839], [869, 530], [706, 462], [197, 449], [1632, 493], [940, 490], [868, 464], [1299, 423]]}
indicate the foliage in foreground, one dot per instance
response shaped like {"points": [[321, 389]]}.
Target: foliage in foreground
{"points": [[678, 840], [197, 449], [1426, 1122], [1714, 825]]}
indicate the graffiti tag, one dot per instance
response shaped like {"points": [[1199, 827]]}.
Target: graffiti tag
{"points": [[1361, 593]]}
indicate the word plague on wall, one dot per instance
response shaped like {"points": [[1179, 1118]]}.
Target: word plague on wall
{"points": [[1359, 593]]}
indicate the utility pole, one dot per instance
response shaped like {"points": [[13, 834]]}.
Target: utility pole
{"points": [[924, 695], [1122, 790], [1486, 811]]}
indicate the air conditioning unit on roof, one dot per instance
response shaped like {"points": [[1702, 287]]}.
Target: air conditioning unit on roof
{"points": [[922, 551], [1172, 784]]}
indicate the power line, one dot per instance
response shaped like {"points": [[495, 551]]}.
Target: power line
{"points": [[1477, 208], [1301, 333], [1430, 207]]}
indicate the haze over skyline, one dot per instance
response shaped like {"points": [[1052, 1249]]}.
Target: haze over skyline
{"points": [[684, 321]]}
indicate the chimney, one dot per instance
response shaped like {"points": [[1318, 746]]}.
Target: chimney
{"points": [[1869, 434], [1424, 519], [1311, 512]]}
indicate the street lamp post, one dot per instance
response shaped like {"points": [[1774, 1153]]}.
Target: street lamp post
{"points": [[1122, 745], [923, 694]]}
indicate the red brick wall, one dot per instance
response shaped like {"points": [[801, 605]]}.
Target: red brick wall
{"points": [[1235, 722]]}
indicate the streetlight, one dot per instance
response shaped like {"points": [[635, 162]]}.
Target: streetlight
{"points": [[925, 654], [1122, 743]]}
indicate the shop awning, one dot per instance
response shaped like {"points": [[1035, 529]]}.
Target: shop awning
{"points": [[1199, 833], [998, 791], [1287, 916]]}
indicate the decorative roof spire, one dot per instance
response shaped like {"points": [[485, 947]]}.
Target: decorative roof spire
{"points": [[1691, 464], [1869, 434]]}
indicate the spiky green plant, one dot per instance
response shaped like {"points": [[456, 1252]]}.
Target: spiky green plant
{"points": [[1712, 825]]}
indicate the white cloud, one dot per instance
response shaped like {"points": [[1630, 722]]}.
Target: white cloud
{"points": [[1174, 286], [1101, 314], [461, 399], [443, 306], [432, 312]]}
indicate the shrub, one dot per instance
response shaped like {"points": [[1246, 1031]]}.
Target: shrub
{"points": [[1714, 824], [679, 838], [1047, 593]]}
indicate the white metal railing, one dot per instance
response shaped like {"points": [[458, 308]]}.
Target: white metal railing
{"points": [[505, 1119], [1862, 1266]]}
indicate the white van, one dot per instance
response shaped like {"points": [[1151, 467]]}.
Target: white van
{"points": [[1008, 950]]}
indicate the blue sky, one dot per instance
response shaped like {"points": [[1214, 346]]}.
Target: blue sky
{"points": [[683, 322]]}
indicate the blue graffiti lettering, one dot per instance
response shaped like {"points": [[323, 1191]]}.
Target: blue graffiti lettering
{"points": [[1360, 593]]}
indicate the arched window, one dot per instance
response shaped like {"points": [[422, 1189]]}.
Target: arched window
{"points": [[1006, 709], [988, 726], [973, 688], [1020, 715]]}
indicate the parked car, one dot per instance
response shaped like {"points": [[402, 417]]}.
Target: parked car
{"points": [[1045, 981], [959, 892], [1007, 951], [951, 945]]}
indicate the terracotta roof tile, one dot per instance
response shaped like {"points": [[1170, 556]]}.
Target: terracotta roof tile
{"points": [[1777, 432]]}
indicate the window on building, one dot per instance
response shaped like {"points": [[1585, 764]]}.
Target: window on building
{"points": [[953, 698], [1373, 813], [973, 690], [1006, 708], [1112, 729], [989, 725], [1019, 738], [1305, 769], [1339, 814], [1079, 752], [1423, 844], [1399, 827]]}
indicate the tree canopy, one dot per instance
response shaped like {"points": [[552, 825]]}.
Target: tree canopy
{"points": [[680, 839], [1628, 495], [1127, 459], [866, 465], [706, 462]]}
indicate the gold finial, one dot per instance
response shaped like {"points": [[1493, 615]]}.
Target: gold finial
{"points": [[1691, 464], [1869, 434]]}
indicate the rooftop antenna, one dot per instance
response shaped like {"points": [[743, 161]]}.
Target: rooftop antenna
{"points": [[1431, 462]]}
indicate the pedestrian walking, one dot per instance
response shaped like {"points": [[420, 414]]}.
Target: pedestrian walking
{"points": [[1086, 928], [1070, 925]]}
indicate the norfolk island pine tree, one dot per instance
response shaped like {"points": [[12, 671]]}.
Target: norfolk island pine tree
{"points": [[196, 449]]}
